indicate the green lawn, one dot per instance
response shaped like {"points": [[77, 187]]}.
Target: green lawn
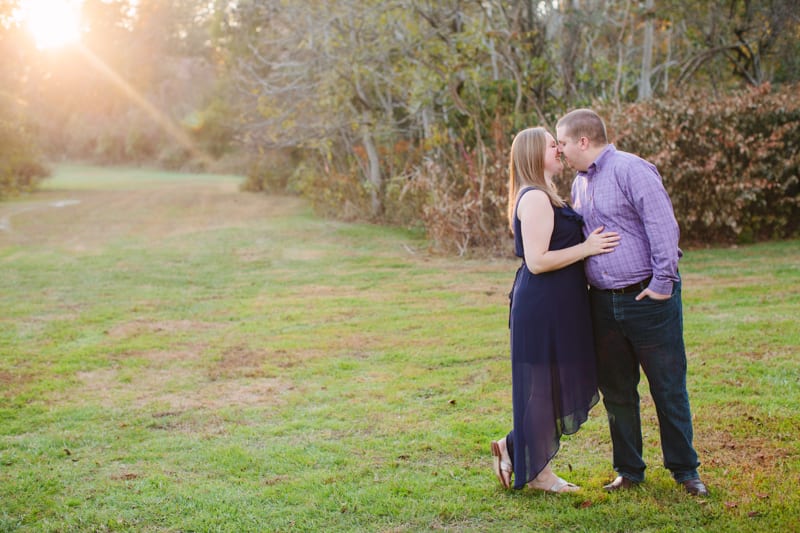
{"points": [[178, 356]]}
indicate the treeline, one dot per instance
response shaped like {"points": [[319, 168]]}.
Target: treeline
{"points": [[402, 111]]}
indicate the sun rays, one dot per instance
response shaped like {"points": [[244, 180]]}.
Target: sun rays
{"points": [[52, 23]]}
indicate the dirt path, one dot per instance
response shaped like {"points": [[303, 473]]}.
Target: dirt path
{"points": [[84, 219]]}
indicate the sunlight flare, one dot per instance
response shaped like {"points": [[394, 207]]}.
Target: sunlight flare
{"points": [[161, 118], [52, 23]]}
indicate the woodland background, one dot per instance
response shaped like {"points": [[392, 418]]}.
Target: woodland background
{"points": [[401, 112]]}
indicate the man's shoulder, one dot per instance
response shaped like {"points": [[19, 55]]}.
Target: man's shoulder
{"points": [[620, 159], [621, 156]]}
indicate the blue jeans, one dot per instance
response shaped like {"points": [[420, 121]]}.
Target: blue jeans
{"points": [[648, 333]]}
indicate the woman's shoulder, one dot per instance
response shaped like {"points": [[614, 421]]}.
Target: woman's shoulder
{"points": [[530, 189], [533, 198]]}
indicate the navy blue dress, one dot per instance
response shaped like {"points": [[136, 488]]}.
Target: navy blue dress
{"points": [[553, 367]]}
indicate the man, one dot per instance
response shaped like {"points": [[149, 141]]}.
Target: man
{"points": [[635, 298]]}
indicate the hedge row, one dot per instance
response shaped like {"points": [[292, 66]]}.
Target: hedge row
{"points": [[731, 165]]}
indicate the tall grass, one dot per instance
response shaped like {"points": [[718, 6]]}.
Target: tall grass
{"points": [[184, 357]]}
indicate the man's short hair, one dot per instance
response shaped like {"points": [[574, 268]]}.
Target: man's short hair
{"points": [[584, 123]]}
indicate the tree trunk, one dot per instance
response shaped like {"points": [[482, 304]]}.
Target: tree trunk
{"points": [[645, 89], [373, 170]]}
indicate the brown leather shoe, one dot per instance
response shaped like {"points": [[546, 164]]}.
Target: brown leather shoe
{"points": [[695, 487], [621, 483]]}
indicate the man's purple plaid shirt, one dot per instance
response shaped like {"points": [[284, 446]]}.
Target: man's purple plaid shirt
{"points": [[624, 193]]}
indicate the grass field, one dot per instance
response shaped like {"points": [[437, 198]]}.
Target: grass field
{"points": [[176, 355]]}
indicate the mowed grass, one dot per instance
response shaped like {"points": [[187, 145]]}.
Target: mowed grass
{"points": [[176, 355]]}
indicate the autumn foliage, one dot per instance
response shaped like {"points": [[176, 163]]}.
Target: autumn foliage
{"points": [[731, 165]]}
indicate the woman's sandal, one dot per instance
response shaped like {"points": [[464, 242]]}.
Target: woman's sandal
{"points": [[502, 469], [560, 486]]}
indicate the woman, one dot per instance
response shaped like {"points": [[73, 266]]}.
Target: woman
{"points": [[553, 370]]}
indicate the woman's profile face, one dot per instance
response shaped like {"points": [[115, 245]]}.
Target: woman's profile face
{"points": [[552, 156], [571, 149]]}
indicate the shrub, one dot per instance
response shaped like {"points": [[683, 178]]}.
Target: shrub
{"points": [[173, 157], [211, 128], [271, 171], [332, 193], [21, 168], [731, 165], [463, 209], [109, 147]]}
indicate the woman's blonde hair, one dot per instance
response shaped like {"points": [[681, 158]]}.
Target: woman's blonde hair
{"points": [[526, 168]]}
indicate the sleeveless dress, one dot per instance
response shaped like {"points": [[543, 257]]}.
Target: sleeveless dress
{"points": [[553, 367]]}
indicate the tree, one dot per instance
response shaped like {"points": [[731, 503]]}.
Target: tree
{"points": [[645, 89], [749, 38], [21, 164], [136, 90]]}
